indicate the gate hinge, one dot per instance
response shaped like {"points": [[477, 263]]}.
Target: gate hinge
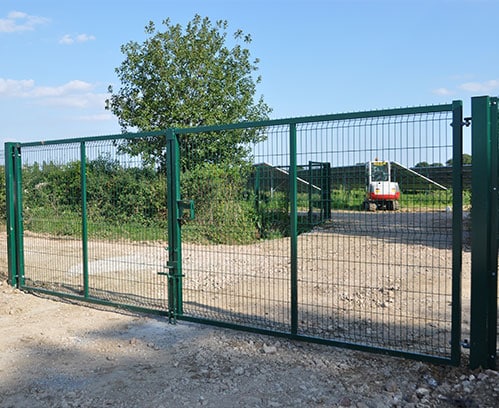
{"points": [[466, 122]]}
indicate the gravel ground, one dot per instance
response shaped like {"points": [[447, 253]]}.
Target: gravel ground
{"points": [[59, 354]]}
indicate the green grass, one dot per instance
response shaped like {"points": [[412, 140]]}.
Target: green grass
{"points": [[69, 224], [432, 199], [232, 222], [353, 199]]}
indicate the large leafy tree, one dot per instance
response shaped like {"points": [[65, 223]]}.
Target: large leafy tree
{"points": [[189, 77]]}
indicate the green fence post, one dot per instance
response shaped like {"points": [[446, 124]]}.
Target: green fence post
{"points": [[482, 353], [84, 226], [174, 265], [493, 249], [293, 198], [256, 189], [457, 229], [310, 194], [11, 214], [18, 202], [326, 188]]}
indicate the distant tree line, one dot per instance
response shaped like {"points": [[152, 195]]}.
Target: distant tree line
{"points": [[466, 160]]}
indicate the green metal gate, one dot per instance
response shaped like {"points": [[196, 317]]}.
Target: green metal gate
{"points": [[78, 215], [346, 280], [233, 240]]}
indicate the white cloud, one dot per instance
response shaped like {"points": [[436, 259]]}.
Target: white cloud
{"points": [[15, 88], [77, 100], [80, 38], [66, 40], [72, 94], [482, 87], [84, 38], [98, 117], [17, 21], [473, 87], [443, 91], [62, 90]]}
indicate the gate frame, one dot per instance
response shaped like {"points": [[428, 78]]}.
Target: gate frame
{"points": [[325, 190], [457, 124], [14, 221]]}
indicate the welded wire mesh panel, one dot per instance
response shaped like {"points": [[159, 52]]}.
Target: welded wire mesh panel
{"points": [[236, 253], [110, 249], [374, 275], [127, 227], [342, 235], [374, 243], [52, 217]]}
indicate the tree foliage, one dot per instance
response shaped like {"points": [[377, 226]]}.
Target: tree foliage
{"points": [[114, 193], [465, 160], [184, 78], [426, 164]]}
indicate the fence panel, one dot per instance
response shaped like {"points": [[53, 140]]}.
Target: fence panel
{"points": [[94, 223], [387, 280], [381, 279], [236, 253]]}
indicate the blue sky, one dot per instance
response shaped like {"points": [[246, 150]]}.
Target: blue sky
{"points": [[317, 57]]}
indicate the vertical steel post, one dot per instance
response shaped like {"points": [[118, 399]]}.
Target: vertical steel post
{"points": [[310, 196], [493, 243], [10, 149], [457, 233], [326, 189], [84, 226], [19, 227], [174, 264], [483, 268], [293, 198]]}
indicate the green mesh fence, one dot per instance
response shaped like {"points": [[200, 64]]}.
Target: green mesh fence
{"points": [[340, 274], [114, 251], [281, 241]]}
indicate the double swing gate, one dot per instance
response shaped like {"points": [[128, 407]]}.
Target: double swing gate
{"points": [[256, 226]]}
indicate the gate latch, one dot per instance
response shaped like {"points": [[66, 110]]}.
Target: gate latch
{"points": [[184, 206]]}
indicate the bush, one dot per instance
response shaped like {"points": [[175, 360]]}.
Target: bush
{"points": [[128, 200], [116, 195], [225, 209], [273, 215]]}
